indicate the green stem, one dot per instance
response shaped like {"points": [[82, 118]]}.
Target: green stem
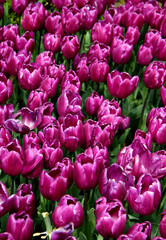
{"points": [[82, 37], [12, 185], [47, 223], [143, 108], [39, 41]]}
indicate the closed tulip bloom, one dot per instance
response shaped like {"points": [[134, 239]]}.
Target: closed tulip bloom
{"points": [[133, 18], [25, 41], [86, 172], [98, 70], [52, 42], [68, 169], [24, 200], [101, 6], [5, 136], [155, 75], [10, 32], [52, 153], [70, 82], [121, 85], [132, 35], [125, 237], [152, 38], [36, 99], [6, 236], [11, 158], [99, 51], [60, 3], [93, 103], [19, 6], [6, 202], [163, 94], [145, 54], [49, 86], [145, 138], [162, 224], [82, 70], [114, 183], [50, 132], [71, 19], [53, 24], [45, 59], [6, 112], [102, 32], [145, 196], [140, 230], [52, 184], [68, 210], [121, 50], [20, 225], [156, 125], [159, 50], [70, 46], [89, 16], [62, 233], [33, 17], [6, 89], [111, 219]]}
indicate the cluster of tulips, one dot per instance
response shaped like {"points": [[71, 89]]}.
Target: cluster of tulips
{"points": [[76, 160]]}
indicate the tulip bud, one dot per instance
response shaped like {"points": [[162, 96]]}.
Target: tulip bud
{"points": [[132, 35], [145, 54], [6, 202], [26, 41], [50, 132], [93, 103], [60, 3], [62, 233], [5, 136], [53, 24], [6, 89], [70, 46], [68, 210], [19, 6], [98, 70], [20, 225], [99, 51], [140, 230], [6, 112], [6, 236], [52, 42], [10, 32], [70, 82], [45, 59], [36, 99], [89, 16], [82, 70]]}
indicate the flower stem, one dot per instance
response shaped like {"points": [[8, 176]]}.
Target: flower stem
{"points": [[47, 223], [143, 108]]}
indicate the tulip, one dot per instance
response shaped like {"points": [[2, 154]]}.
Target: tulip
{"points": [[11, 158], [158, 169], [10, 32], [5, 136], [6, 89], [155, 75], [36, 99], [93, 103], [19, 6], [152, 38], [82, 70], [99, 51], [114, 183], [68, 168], [62, 233], [125, 237], [20, 225], [70, 46], [145, 138], [101, 6], [163, 95], [50, 132], [24, 200], [140, 230], [132, 35], [71, 19], [110, 219], [53, 24], [70, 82], [26, 41], [102, 32], [89, 16], [45, 59], [6, 202], [68, 210], [98, 70], [52, 184], [86, 172], [33, 17], [52, 42], [145, 54], [56, 71], [145, 196], [121, 85], [162, 224], [60, 3], [6, 112], [121, 50], [159, 50]]}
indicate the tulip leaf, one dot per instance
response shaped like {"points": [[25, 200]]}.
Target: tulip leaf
{"points": [[123, 137], [82, 236]]}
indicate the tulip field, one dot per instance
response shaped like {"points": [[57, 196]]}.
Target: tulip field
{"points": [[82, 119]]}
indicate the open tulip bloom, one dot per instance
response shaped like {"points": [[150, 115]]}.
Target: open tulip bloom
{"points": [[82, 119]]}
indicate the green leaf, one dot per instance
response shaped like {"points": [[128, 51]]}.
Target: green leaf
{"points": [[82, 236]]}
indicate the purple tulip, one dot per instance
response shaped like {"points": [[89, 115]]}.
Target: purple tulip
{"points": [[50, 132], [53, 24], [20, 225], [19, 6], [155, 75], [81, 3], [162, 224], [82, 70], [33, 17], [71, 131], [109, 108], [156, 125], [93, 103], [70, 82], [99, 51], [68, 168], [121, 85], [5, 136], [24, 200], [49, 86], [72, 19], [145, 138], [114, 183], [102, 32], [31, 140], [36, 99], [56, 71], [145, 196], [6, 236], [52, 42], [60, 3], [6, 202], [101, 6], [6, 89], [68, 210], [125, 237], [10, 32], [70, 46], [99, 70], [132, 35], [163, 94], [53, 184], [52, 153], [145, 54], [26, 41], [152, 38], [86, 171], [62, 233], [89, 16], [158, 169], [110, 218], [6, 112], [121, 50], [45, 59], [11, 158], [158, 238], [140, 230]]}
